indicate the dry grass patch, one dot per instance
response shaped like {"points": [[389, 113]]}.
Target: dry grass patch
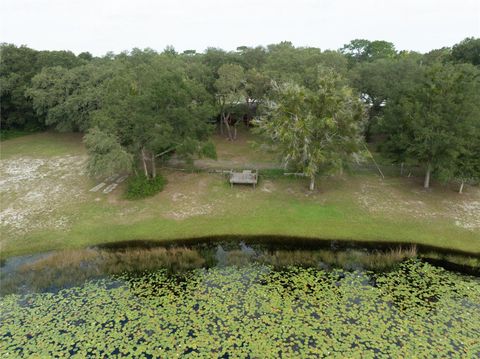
{"points": [[188, 196], [33, 190], [404, 197]]}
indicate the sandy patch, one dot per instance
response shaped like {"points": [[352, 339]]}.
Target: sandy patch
{"points": [[467, 214], [267, 186], [378, 197], [33, 189], [188, 205], [186, 196], [381, 198]]}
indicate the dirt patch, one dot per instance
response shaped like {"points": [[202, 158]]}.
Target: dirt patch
{"points": [[186, 195], [383, 198], [467, 214], [191, 210], [267, 186], [379, 198], [33, 189]]}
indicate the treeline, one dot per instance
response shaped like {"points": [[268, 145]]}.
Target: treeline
{"points": [[18, 66], [420, 109]]}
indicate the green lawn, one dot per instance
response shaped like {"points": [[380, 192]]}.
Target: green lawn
{"points": [[42, 144], [10, 134], [354, 207]]}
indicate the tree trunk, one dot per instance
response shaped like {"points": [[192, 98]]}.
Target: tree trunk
{"points": [[312, 183], [228, 127], [145, 169], [401, 169], [222, 116], [154, 169], [247, 119], [368, 130], [460, 190], [426, 182]]}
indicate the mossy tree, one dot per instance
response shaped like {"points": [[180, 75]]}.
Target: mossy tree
{"points": [[318, 128]]}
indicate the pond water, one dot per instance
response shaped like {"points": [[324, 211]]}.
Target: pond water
{"points": [[232, 300]]}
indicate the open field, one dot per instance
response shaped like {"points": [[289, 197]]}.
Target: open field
{"points": [[46, 203]]}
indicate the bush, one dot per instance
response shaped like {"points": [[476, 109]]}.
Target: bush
{"points": [[141, 186]]}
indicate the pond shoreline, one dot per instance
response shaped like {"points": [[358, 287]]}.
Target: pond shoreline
{"points": [[451, 260], [285, 242]]}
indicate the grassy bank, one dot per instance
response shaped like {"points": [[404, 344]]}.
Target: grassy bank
{"points": [[52, 207]]}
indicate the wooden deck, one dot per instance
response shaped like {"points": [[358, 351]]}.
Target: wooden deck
{"points": [[244, 177]]}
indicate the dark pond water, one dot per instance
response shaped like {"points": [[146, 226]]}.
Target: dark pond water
{"points": [[230, 300]]}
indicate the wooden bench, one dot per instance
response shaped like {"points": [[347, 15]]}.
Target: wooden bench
{"points": [[244, 177]]}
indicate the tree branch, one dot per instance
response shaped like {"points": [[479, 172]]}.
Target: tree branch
{"points": [[165, 152]]}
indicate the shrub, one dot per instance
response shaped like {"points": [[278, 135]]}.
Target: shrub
{"points": [[141, 186]]}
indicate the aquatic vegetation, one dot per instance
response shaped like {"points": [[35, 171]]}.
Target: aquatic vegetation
{"points": [[54, 271], [348, 259], [415, 310]]}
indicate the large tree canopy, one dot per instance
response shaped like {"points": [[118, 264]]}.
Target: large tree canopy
{"points": [[155, 108], [379, 80], [66, 98], [433, 120], [467, 51], [18, 65], [361, 50], [317, 129]]}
